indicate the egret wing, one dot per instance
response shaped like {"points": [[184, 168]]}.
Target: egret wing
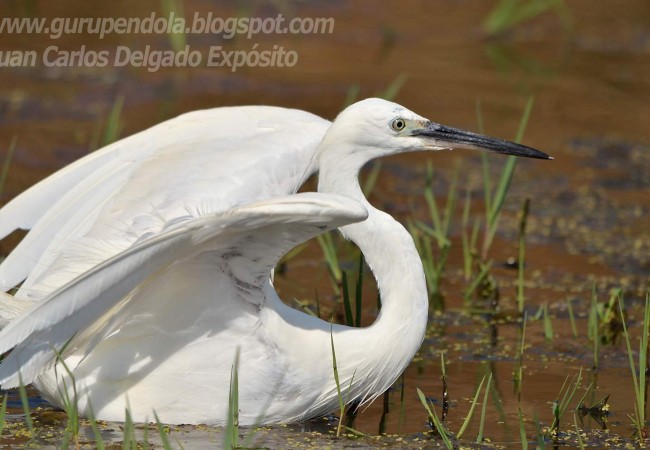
{"points": [[201, 162], [245, 242]]}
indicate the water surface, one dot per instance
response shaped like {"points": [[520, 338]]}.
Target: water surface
{"points": [[588, 226]]}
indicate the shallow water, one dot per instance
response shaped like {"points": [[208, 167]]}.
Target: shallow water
{"points": [[588, 224]]}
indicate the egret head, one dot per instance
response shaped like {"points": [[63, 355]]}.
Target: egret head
{"points": [[373, 128]]}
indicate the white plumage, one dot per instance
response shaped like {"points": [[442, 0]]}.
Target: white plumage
{"points": [[147, 266]]}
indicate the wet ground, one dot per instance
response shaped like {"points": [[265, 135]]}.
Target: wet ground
{"points": [[588, 67]]}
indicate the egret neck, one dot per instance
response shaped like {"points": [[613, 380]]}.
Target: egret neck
{"points": [[390, 253]]}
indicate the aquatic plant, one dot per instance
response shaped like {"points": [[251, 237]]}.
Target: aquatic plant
{"points": [[435, 421], [639, 371]]}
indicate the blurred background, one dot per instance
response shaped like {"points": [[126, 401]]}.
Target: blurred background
{"points": [[584, 64]]}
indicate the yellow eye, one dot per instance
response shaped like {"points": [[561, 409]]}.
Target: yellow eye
{"points": [[397, 124]]}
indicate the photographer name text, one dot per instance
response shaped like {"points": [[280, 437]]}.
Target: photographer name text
{"points": [[152, 59]]}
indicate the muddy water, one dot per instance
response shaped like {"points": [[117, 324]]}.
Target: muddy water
{"points": [[590, 75]]}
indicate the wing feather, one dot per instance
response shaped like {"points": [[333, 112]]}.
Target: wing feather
{"points": [[250, 240], [204, 161]]}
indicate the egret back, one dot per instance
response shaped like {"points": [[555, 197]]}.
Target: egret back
{"points": [[103, 203]]}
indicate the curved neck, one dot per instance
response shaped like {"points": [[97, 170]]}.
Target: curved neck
{"points": [[390, 253]]}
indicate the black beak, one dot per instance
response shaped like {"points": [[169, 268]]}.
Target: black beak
{"points": [[454, 137]]}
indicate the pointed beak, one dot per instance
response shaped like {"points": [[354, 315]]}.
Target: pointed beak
{"points": [[444, 136]]}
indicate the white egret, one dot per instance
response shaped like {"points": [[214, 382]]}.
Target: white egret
{"points": [[147, 266]]}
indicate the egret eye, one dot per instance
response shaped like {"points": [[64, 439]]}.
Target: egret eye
{"points": [[397, 124]]}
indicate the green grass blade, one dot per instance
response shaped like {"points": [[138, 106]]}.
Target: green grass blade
{"points": [[499, 196], [581, 443], [499, 16], [441, 240], [522, 255], [335, 370], [393, 88], [487, 186], [401, 420], [450, 206], [479, 437], [94, 426], [358, 294], [523, 123], [145, 436], [70, 406], [639, 382], [3, 413], [485, 165], [518, 375], [572, 319], [465, 237], [128, 441], [231, 432], [329, 250], [540, 432], [637, 393], [349, 319], [114, 122], [548, 324], [593, 330], [351, 95], [293, 253], [522, 430], [25, 403], [501, 192], [643, 360], [445, 387], [436, 422], [433, 210], [177, 38], [372, 177], [162, 432], [474, 284], [468, 418], [567, 397], [511, 13], [7, 163]]}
